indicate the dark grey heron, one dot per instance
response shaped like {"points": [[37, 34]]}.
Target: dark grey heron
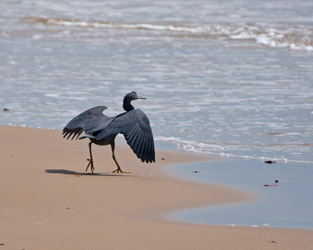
{"points": [[102, 130]]}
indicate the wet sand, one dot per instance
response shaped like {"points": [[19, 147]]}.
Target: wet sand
{"points": [[49, 202]]}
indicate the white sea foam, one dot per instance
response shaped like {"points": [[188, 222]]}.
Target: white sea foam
{"points": [[219, 151], [190, 146], [279, 36]]}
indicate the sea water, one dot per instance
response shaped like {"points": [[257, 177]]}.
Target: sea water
{"points": [[226, 78], [282, 192]]}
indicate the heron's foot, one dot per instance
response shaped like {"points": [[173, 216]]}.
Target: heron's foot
{"points": [[90, 164], [119, 170]]}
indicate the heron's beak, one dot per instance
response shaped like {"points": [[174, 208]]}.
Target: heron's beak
{"points": [[140, 97]]}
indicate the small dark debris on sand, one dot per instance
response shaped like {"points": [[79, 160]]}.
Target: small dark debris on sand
{"points": [[195, 172], [272, 185], [5, 110], [270, 162]]}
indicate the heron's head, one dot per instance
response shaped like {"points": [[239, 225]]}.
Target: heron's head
{"points": [[133, 96], [128, 98]]}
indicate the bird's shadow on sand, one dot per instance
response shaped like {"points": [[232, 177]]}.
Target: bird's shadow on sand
{"points": [[74, 173]]}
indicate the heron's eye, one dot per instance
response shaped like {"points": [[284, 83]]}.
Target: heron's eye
{"points": [[134, 93]]}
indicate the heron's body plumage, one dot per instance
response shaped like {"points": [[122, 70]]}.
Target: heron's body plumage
{"points": [[102, 130]]}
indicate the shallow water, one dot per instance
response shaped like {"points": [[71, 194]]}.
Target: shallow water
{"points": [[285, 203], [232, 79]]}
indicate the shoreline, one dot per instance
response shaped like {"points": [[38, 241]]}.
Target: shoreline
{"points": [[49, 202], [277, 191]]}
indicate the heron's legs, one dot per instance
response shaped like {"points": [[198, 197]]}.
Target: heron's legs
{"points": [[118, 170], [90, 163]]}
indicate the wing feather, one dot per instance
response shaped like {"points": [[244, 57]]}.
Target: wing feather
{"points": [[142, 147], [152, 154], [146, 148], [131, 134], [139, 143], [150, 150], [89, 121], [135, 127], [134, 136], [146, 152]]}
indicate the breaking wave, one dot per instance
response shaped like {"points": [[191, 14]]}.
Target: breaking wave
{"points": [[297, 37], [219, 151]]}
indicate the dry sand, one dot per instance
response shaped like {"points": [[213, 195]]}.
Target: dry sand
{"points": [[48, 202]]}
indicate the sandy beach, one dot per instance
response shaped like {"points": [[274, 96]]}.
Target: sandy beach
{"points": [[49, 202]]}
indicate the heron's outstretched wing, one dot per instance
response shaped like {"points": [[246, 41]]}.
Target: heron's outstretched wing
{"points": [[135, 127], [89, 121]]}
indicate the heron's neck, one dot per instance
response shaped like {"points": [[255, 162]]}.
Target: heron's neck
{"points": [[127, 106]]}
